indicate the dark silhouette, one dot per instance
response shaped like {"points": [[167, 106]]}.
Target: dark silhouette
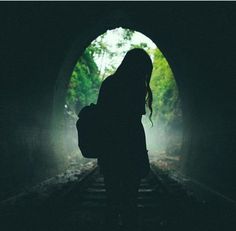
{"points": [[123, 156]]}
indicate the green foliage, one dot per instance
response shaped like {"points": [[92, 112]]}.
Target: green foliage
{"points": [[126, 36], [86, 78], [165, 93], [84, 83], [141, 45]]}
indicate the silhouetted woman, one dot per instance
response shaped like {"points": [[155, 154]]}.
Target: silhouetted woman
{"points": [[124, 158]]}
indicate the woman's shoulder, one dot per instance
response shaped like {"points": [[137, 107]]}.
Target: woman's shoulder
{"points": [[108, 82]]}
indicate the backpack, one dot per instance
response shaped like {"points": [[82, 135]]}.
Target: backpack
{"points": [[88, 131]]}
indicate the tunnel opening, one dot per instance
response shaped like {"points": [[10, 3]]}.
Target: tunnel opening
{"points": [[99, 60]]}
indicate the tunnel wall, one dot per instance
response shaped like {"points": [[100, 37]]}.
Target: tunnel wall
{"points": [[40, 43]]}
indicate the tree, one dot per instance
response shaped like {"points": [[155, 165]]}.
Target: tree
{"points": [[165, 91], [87, 76], [84, 83]]}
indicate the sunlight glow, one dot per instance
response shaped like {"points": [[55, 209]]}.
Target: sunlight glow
{"points": [[112, 38]]}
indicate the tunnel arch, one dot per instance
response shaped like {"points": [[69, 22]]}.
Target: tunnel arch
{"points": [[76, 50], [114, 20]]}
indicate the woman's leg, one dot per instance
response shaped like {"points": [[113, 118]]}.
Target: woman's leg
{"points": [[112, 185], [130, 185]]}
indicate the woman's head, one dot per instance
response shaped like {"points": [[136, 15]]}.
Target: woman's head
{"points": [[136, 67]]}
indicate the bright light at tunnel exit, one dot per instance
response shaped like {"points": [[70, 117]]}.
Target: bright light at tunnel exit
{"points": [[101, 58], [112, 39]]}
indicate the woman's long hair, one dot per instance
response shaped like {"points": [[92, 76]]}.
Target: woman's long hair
{"points": [[137, 66]]}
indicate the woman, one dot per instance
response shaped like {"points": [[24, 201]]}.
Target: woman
{"points": [[124, 159]]}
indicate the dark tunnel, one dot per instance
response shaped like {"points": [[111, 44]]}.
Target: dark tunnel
{"points": [[40, 44]]}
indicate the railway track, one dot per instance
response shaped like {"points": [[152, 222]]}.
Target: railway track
{"points": [[163, 204], [151, 187]]}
